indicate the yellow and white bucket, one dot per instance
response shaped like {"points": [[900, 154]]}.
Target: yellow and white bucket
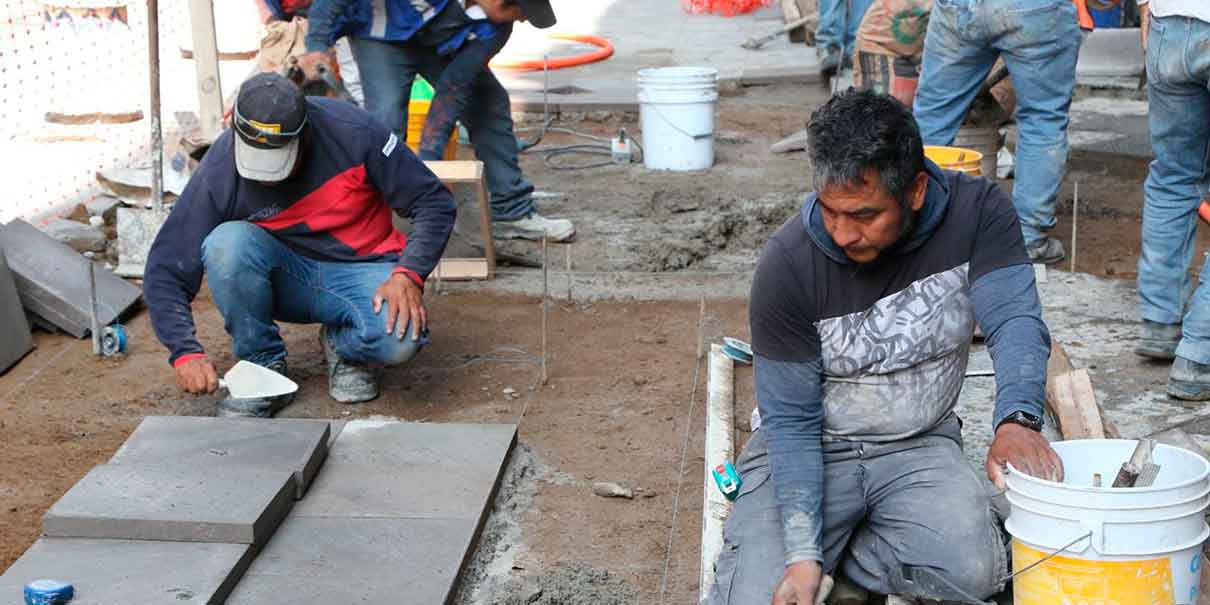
{"points": [[1129, 546]]}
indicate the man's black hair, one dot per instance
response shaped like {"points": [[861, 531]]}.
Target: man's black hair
{"points": [[859, 130]]}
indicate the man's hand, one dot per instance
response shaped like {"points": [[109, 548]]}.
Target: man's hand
{"points": [[1027, 450], [197, 376], [405, 302], [799, 585], [310, 62], [1144, 24]]}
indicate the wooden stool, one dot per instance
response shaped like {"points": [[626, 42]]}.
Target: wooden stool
{"points": [[461, 269]]}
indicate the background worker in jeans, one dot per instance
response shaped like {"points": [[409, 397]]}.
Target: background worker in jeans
{"points": [[836, 32], [450, 45], [1176, 38], [1040, 42]]}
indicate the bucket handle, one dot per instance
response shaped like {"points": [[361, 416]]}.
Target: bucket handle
{"points": [[696, 137], [1049, 557]]}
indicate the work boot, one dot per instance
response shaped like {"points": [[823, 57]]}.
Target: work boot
{"points": [[1047, 250], [259, 407], [1159, 340], [830, 62], [535, 227], [348, 382], [1189, 380], [845, 592]]}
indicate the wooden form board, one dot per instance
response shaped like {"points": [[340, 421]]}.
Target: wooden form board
{"points": [[468, 173], [205, 61], [1071, 401], [720, 448]]}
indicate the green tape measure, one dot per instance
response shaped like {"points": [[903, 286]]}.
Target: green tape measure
{"points": [[727, 480]]}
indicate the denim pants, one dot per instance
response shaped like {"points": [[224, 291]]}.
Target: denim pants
{"points": [[256, 280], [838, 22], [909, 517], [387, 70], [1040, 41], [1178, 87]]}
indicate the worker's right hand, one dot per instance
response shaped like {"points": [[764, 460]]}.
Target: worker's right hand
{"points": [[197, 376], [799, 585], [310, 62]]}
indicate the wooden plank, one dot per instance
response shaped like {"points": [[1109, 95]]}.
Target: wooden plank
{"points": [[720, 448], [205, 61], [458, 172], [1071, 400], [460, 269], [791, 12], [485, 226]]}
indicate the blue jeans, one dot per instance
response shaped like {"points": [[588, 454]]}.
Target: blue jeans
{"points": [[1178, 86], [838, 22], [256, 280], [387, 70], [897, 517], [1040, 41]]}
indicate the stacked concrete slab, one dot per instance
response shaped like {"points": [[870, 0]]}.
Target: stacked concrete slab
{"points": [[177, 514], [15, 340], [391, 518], [52, 280]]}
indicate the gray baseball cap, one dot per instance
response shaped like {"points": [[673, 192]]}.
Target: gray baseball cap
{"points": [[269, 115]]}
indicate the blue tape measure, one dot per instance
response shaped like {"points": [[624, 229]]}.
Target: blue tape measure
{"points": [[737, 349], [48, 592], [727, 480]]}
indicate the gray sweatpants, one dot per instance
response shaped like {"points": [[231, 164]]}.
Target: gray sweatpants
{"points": [[909, 518]]}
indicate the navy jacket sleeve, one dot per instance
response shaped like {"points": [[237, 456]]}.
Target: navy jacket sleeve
{"points": [[174, 264], [323, 23], [789, 393], [453, 91], [414, 192], [1008, 310]]}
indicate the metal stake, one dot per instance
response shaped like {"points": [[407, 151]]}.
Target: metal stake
{"points": [[567, 248], [157, 140], [545, 311], [1075, 215], [92, 305]]}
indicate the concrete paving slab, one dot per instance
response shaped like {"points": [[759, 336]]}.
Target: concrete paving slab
{"points": [[105, 572], [125, 502], [318, 561], [298, 446], [52, 280], [1110, 125], [1111, 52], [15, 339], [410, 470]]}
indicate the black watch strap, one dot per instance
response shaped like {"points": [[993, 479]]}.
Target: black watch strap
{"points": [[1024, 419]]}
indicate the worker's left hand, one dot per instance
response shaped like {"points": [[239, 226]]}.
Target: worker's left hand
{"points": [[1027, 450], [404, 302]]}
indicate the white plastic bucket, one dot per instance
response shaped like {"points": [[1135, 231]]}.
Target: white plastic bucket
{"points": [[676, 113], [1141, 546]]}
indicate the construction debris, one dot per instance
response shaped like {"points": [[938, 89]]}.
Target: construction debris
{"points": [[1071, 401], [81, 237], [612, 490], [15, 339], [52, 280]]}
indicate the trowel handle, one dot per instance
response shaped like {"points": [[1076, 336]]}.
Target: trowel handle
{"points": [[222, 384]]}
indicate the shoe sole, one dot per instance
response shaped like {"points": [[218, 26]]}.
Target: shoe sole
{"points": [[1151, 351], [352, 400], [533, 236], [1188, 391]]}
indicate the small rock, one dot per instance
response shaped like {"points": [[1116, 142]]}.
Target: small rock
{"points": [[500, 409], [81, 237], [509, 391], [104, 206], [612, 490], [483, 389], [640, 381]]}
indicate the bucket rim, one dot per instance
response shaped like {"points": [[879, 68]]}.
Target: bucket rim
{"points": [[678, 71], [1015, 497], [1205, 466]]}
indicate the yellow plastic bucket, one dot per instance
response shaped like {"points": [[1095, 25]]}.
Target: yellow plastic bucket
{"points": [[955, 158], [418, 111]]}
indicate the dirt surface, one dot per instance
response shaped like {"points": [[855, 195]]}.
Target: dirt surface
{"points": [[623, 375]]}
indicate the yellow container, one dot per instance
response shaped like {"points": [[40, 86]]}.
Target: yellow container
{"points": [[955, 158], [418, 111]]}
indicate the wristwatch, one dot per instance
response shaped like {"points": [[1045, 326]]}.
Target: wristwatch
{"points": [[1024, 419]]}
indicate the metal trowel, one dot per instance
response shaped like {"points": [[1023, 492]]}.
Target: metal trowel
{"points": [[247, 380]]}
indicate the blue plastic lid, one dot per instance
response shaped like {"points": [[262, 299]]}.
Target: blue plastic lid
{"points": [[48, 592]]}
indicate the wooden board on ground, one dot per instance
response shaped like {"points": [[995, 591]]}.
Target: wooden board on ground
{"points": [[1071, 401], [468, 173], [793, 10]]}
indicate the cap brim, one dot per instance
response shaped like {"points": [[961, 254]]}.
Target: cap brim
{"points": [[265, 165], [539, 13]]}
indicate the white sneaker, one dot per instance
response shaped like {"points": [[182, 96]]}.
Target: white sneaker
{"points": [[535, 227]]}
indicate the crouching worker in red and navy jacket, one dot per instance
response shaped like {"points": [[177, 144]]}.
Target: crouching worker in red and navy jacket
{"points": [[289, 217]]}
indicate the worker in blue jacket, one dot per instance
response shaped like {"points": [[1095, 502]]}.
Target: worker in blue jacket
{"points": [[289, 219], [449, 43]]}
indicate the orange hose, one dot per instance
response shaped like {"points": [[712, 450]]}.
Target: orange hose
{"points": [[604, 51]]}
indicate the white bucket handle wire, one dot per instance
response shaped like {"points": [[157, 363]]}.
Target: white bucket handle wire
{"points": [[696, 137]]}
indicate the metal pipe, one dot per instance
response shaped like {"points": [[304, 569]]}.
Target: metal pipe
{"points": [[92, 305], [157, 142]]}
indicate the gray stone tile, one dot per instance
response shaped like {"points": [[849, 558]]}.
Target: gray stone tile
{"points": [[235, 506], [108, 572], [298, 446], [15, 339], [410, 470], [332, 560], [52, 280]]}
